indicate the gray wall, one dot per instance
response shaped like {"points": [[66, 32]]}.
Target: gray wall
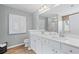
{"points": [[35, 20], [4, 36], [42, 22], [74, 24]]}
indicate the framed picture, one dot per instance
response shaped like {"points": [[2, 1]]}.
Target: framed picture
{"points": [[17, 24]]}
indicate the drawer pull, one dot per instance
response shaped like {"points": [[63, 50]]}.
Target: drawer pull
{"points": [[56, 51], [70, 51]]}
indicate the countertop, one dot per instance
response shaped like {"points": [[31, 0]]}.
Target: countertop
{"points": [[67, 40]]}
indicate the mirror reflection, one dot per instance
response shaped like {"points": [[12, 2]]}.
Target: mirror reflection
{"points": [[71, 23], [48, 23]]}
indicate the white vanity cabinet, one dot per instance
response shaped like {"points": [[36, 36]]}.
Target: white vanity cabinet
{"points": [[69, 49], [43, 45], [46, 45]]}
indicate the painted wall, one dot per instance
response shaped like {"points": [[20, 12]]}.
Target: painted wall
{"points": [[73, 24], [35, 20], [4, 17], [42, 23]]}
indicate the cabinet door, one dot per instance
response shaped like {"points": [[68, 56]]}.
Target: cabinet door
{"points": [[69, 49], [46, 49], [54, 44], [38, 45], [33, 42], [44, 46]]}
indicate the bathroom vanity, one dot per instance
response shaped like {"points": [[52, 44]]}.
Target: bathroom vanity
{"points": [[52, 43]]}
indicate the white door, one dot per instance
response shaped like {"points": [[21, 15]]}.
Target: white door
{"points": [[38, 45], [33, 42]]}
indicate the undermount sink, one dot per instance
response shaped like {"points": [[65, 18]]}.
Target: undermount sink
{"points": [[63, 38]]}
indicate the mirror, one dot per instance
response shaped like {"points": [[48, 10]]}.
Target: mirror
{"points": [[48, 23], [71, 24], [42, 22], [52, 24], [51, 20]]}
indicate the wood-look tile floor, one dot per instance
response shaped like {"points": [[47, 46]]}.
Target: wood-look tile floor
{"points": [[20, 50]]}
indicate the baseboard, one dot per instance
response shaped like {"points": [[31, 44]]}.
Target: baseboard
{"points": [[15, 46]]}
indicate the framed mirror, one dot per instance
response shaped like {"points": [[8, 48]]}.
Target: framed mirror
{"points": [[71, 24]]}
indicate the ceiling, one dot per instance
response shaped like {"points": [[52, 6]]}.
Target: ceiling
{"points": [[25, 7], [52, 12], [60, 9]]}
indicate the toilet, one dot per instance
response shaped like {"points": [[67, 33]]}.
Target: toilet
{"points": [[27, 43]]}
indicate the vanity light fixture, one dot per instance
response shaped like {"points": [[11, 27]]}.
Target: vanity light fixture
{"points": [[43, 8]]}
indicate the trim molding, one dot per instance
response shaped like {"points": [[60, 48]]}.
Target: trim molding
{"points": [[15, 46]]}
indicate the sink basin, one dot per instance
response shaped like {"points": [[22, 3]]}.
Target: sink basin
{"points": [[63, 38]]}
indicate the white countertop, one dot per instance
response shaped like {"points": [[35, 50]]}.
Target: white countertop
{"points": [[71, 41], [67, 40]]}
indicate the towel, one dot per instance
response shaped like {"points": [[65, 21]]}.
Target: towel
{"points": [[3, 45]]}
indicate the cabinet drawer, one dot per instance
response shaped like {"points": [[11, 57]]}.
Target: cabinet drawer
{"points": [[69, 49]]}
